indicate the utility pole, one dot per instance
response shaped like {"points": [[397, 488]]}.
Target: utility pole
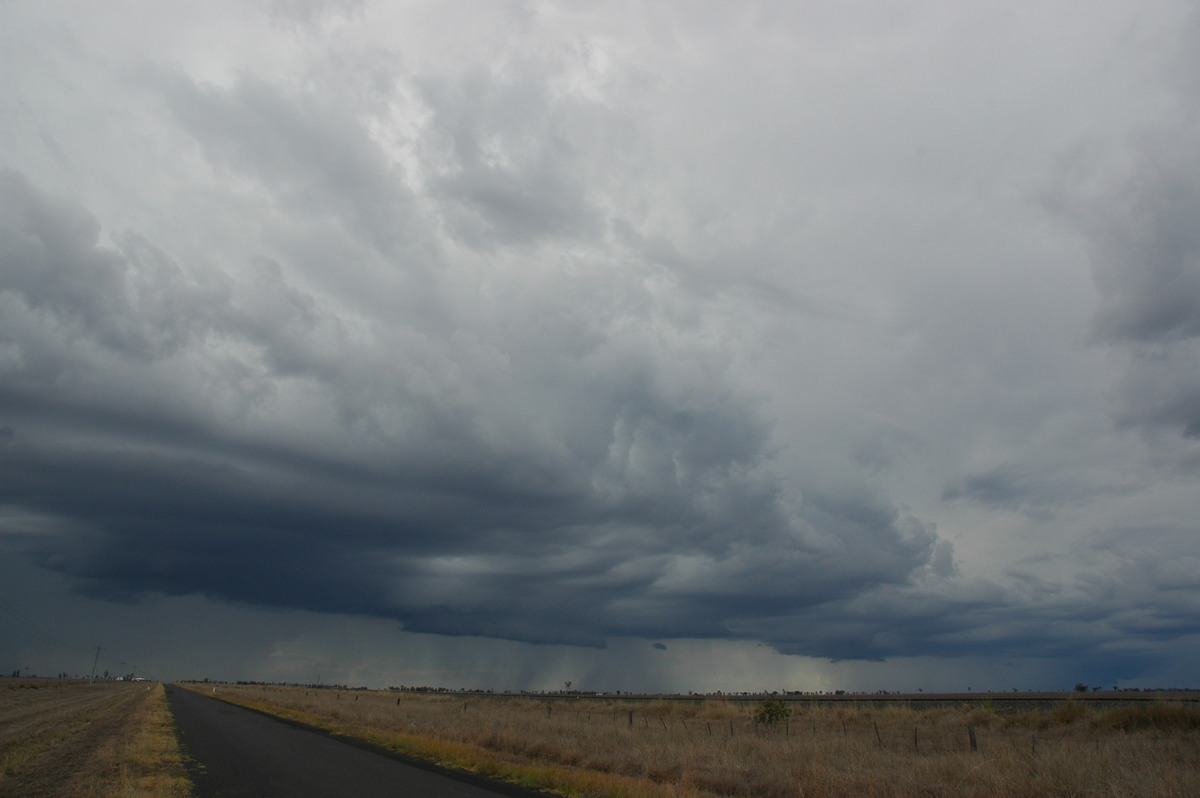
{"points": [[92, 678]]}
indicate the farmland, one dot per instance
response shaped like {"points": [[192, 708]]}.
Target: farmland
{"points": [[64, 737], [605, 746]]}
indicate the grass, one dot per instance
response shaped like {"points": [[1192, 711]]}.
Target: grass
{"points": [[102, 740], [596, 747]]}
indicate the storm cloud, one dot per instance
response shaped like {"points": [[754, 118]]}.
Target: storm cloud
{"points": [[568, 327], [640, 499]]}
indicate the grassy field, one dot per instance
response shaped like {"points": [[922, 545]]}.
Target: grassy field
{"points": [[610, 747], [62, 737]]}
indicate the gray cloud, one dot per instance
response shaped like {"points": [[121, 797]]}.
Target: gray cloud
{"points": [[660, 516], [508, 161], [1145, 257], [610, 329], [312, 11], [307, 151], [52, 263], [1148, 262], [1035, 490]]}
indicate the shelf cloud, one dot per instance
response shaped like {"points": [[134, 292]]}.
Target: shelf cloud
{"points": [[861, 337]]}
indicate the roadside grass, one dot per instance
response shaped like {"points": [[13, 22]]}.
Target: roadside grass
{"points": [[457, 754], [698, 749], [146, 763], [103, 740]]}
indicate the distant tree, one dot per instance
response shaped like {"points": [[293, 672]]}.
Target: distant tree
{"points": [[1081, 688]]}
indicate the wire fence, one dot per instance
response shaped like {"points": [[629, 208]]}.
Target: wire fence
{"points": [[937, 736], [860, 729]]}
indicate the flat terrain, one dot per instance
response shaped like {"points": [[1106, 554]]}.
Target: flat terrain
{"points": [[63, 737], [970, 745], [235, 752]]}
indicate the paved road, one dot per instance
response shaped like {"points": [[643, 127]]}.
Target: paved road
{"points": [[239, 753]]}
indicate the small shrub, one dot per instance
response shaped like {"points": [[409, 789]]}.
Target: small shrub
{"points": [[772, 711]]}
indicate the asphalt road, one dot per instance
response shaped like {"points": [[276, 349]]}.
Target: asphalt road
{"points": [[234, 752]]}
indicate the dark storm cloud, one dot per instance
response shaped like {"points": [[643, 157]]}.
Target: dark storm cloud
{"points": [[660, 516], [561, 325], [1115, 621]]}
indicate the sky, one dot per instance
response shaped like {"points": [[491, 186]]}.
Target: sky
{"points": [[659, 346]]}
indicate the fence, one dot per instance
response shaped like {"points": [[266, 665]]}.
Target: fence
{"points": [[851, 748], [856, 728]]}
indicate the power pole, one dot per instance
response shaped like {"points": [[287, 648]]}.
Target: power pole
{"points": [[92, 678]]}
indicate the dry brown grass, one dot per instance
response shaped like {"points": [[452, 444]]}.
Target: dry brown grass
{"points": [[104, 740], [590, 747]]}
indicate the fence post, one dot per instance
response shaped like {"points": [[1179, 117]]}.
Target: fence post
{"points": [[631, 718], [878, 739], [971, 736]]}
